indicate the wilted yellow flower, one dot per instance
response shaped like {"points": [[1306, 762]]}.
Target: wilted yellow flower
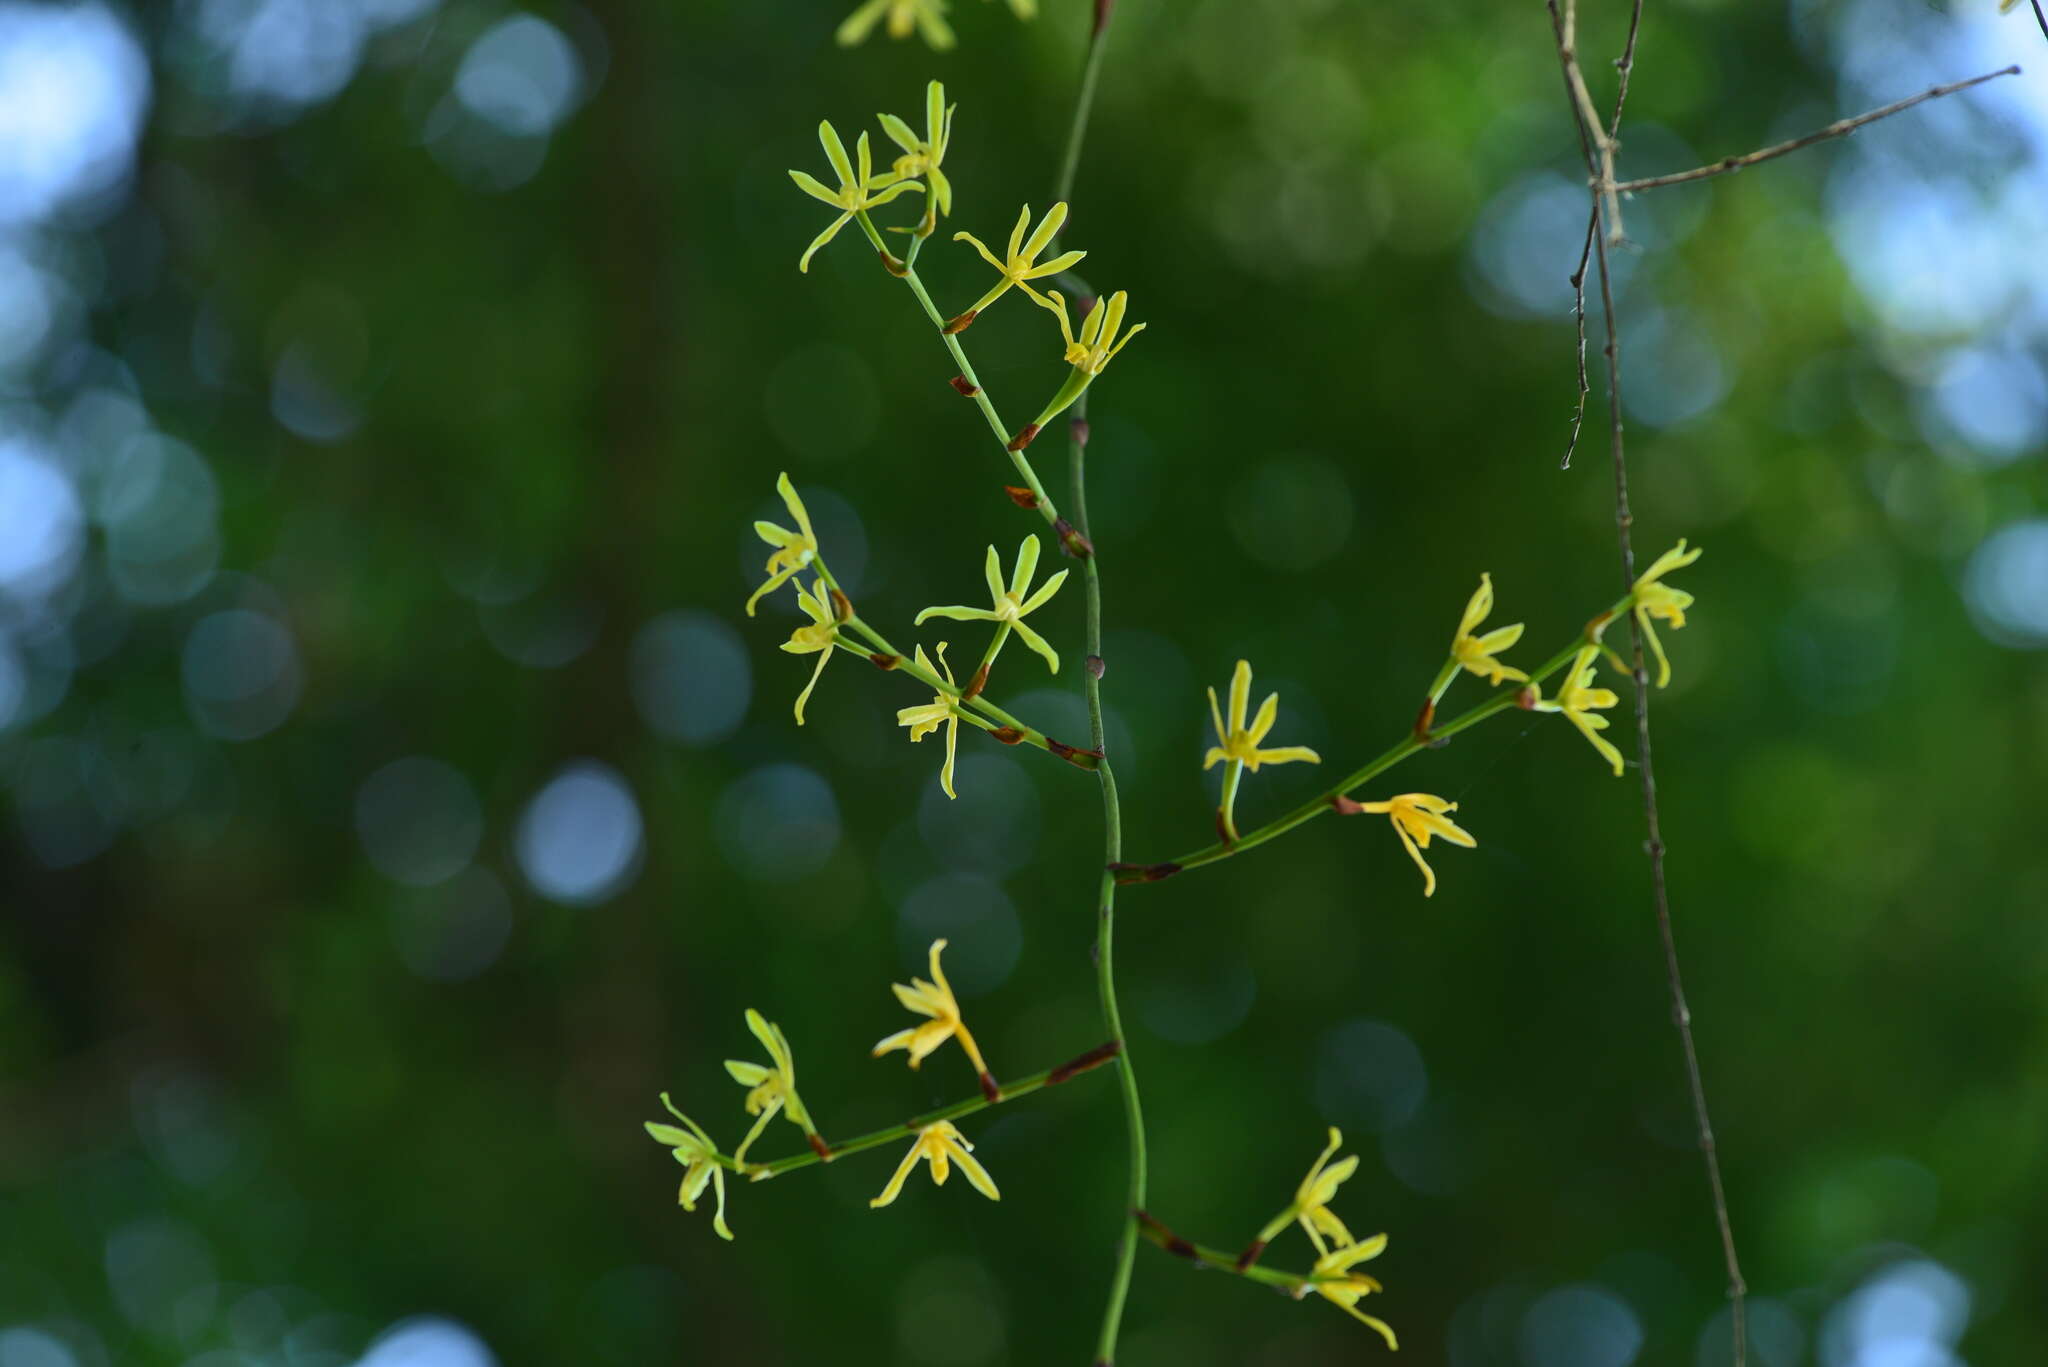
{"points": [[855, 193], [1654, 598], [699, 1156], [921, 156], [1476, 653], [1098, 343], [1576, 699], [774, 1088], [928, 17], [1416, 817], [1019, 264], [1241, 742], [1009, 605], [818, 638], [941, 1145], [794, 550], [942, 710], [1335, 1281], [934, 999], [1310, 1207]]}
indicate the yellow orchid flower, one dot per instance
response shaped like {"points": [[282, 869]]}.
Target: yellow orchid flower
{"points": [[794, 550], [941, 1145], [1097, 344], [1310, 1207], [1654, 598], [1577, 699], [1009, 605], [921, 156], [1240, 743], [855, 194], [1019, 264], [1335, 1281], [942, 710], [699, 1156], [935, 999], [817, 638], [773, 1088], [1477, 653], [927, 17], [1416, 817]]}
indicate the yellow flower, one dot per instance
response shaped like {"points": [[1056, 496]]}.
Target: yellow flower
{"points": [[942, 710], [1009, 605], [921, 156], [1416, 818], [794, 550], [1098, 343], [856, 193], [818, 638], [1240, 742], [941, 1145], [1476, 653], [699, 1156], [1019, 264], [928, 17], [1578, 697], [1335, 1281], [1654, 598], [1311, 1205], [774, 1089], [934, 999]]}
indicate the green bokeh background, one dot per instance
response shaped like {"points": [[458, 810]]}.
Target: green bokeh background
{"points": [[208, 1033]]}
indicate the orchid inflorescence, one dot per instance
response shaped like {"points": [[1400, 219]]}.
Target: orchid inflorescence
{"points": [[831, 624]]}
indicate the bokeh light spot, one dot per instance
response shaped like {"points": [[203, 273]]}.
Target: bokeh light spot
{"points": [[778, 823], [428, 1341], [1580, 1326], [977, 920], [521, 75], [579, 838], [2006, 585], [241, 674], [691, 679], [419, 820], [1370, 1076]]}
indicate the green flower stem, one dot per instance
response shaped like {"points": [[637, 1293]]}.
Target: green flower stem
{"points": [[1503, 700], [1293, 1283], [1046, 509], [1008, 1091], [1015, 732], [1233, 774]]}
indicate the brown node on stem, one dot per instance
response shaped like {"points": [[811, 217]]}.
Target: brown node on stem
{"points": [[1223, 835], [1074, 754], [1024, 437], [1078, 430], [1424, 718], [965, 385], [989, 1088], [1102, 11], [1159, 1234], [1250, 1255], [1344, 806], [820, 1148], [1023, 498], [975, 684], [894, 264], [885, 661], [960, 324], [1008, 735], [842, 608], [1143, 873], [1094, 1058], [1598, 625], [1094, 666], [1526, 697], [1071, 540]]}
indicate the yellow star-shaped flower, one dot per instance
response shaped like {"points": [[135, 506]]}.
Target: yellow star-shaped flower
{"points": [[855, 194], [1310, 1207], [926, 17], [794, 550], [1476, 653], [1009, 607], [942, 710], [936, 1000], [818, 638], [1336, 1282], [921, 156], [1417, 817], [941, 1145], [699, 1156], [773, 1088], [1239, 742], [1578, 697], [1654, 598], [1098, 343], [1019, 264]]}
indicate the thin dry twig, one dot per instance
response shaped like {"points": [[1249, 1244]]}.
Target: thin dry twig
{"points": [[1600, 170], [2040, 18], [1839, 128], [1579, 316]]}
